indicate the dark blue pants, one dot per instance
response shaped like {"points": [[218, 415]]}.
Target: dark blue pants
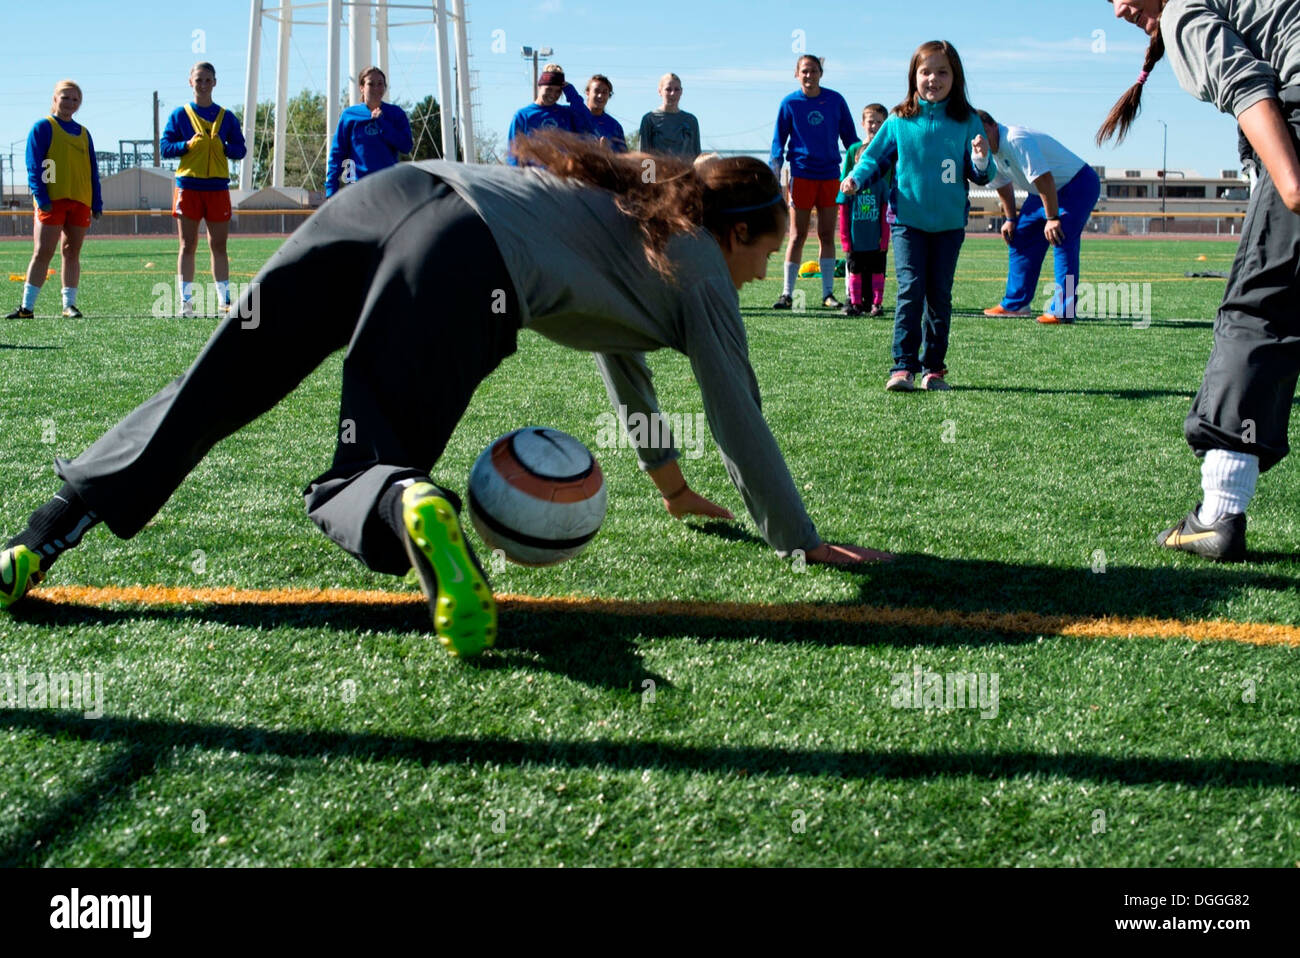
{"points": [[924, 264], [1076, 201]]}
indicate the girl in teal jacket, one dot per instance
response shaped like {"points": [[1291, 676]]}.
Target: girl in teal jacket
{"points": [[935, 141]]}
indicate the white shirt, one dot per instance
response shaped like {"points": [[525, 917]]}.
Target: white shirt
{"points": [[1024, 155]]}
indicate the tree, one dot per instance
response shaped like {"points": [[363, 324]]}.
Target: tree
{"points": [[306, 147], [426, 130]]}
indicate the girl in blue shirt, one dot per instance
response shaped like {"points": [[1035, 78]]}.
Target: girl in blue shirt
{"points": [[936, 143], [370, 137], [545, 113], [603, 126]]}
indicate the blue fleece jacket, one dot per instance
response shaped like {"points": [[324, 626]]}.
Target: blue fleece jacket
{"points": [[372, 145], [931, 155], [812, 125], [575, 118]]}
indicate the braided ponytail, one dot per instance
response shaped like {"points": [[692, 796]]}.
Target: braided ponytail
{"points": [[1126, 109]]}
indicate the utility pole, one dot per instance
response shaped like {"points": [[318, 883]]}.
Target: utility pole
{"points": [[534, 53], [1164, 178], [157, 157]]}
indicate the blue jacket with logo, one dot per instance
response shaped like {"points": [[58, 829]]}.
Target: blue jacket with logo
{"points": [[812, 125]]}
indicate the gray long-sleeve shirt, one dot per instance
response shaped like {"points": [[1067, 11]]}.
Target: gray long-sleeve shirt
{"points": [[582, 280], [1233, 53]]}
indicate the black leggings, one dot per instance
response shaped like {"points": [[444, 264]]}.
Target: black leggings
{"points": [[396, 268]]}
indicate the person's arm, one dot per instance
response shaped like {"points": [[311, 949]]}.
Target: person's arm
{"points": [[518, 127], [1270, 137], [1046, 186], [38, 145], [719, 355], [632, 394], [780, 134], [980, 168], [97, 196], [338, 154], [646, 135], [175, 138], [876, 160], [848, 129], [583, 121], [395, 128], [695, 133], [1007, 200], [232, 138]]}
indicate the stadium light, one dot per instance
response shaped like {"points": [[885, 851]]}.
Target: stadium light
{"points": [[534, 53]]}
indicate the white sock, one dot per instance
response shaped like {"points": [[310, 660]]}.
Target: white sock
{"points": [[1228, 480], [30, 293], [828, 276], [69, 296], [791, 271], [223, 291]]}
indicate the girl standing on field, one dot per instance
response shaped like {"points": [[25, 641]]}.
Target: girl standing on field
{"points": [[203, 136], [864, 225], [1244, 57], [813, 120], [64, 181], [603, 126], [459, 259], [670, 129], [936, 142]]}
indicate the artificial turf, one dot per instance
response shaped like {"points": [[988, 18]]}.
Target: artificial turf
{"points": [[329, 733]]}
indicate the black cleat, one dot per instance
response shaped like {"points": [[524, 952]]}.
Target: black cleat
{"points": [[1223, 540], [20, 313]]}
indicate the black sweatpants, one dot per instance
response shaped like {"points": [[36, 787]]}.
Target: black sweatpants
{"points": [[399, 270], [1244, 403]]}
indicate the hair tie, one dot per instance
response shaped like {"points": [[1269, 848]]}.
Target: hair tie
{"points": [[757, 206], [1142, 77], [553, 78]]}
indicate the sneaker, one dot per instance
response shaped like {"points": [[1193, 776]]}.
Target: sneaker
{"points": [[71, 312], [999, 311], [783, 302], [20, 569], [1223, 540], [20, 313], [853, 310], [830, 302], [1047, 319], [901, 382], [935, 383], [875, 310], [460, 599], [187, 309]]}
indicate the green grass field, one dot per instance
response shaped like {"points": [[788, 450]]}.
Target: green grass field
{"points": [[342, 734]]}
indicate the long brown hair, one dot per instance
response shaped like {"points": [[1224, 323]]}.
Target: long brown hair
{"points": [[1126, 109], [958, 107], [665, 195]]}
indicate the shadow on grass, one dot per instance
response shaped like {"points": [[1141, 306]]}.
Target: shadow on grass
{"points": [[1187, 394], [151, 744], [15, 346]]}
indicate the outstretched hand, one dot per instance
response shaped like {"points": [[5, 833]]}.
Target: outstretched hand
{"points": [[849, 186], [831, 554], [979, 147], [691, 503]]}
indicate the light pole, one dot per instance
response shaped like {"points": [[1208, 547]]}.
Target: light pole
{"points": [[1164, 178], [533, 53]]}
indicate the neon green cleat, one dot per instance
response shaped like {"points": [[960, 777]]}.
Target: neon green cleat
{"points": [[460, 599], [20, 569]]}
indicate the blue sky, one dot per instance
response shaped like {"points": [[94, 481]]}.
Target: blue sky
{"points": [[1040, 63]]}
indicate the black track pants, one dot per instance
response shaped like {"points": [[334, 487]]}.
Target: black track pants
{"points": [[400, 271]]}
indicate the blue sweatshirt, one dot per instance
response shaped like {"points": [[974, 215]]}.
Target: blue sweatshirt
{"points": [[608, 127], [812, 125], [575, 118], [38, 144], [931, 155], [176, 136], [372, 145]]}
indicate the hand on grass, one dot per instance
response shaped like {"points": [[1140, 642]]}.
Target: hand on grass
{"points": [[691, 503], [831, 554]]}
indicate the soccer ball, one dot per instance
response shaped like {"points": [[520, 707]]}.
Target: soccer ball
{"points": [[538, 495]]}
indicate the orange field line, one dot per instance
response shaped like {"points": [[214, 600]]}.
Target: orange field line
{"points": [[1018, 623]]}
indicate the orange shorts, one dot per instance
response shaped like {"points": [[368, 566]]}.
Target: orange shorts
{"points": [[65, 212], [210, 205], [805, 194]]}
